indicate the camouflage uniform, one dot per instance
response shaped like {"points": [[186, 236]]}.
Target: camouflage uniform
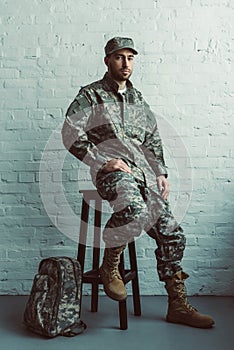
{"points": [[101, 124]]}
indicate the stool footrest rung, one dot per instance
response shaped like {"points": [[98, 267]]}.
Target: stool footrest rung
{"points": [[93, 276], [129, 275]]}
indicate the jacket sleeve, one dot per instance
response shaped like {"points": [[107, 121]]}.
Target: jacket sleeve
{"points": [[75, 132], [152, 145]]}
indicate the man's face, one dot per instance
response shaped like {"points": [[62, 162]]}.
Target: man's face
{"points": [[120, 64]]}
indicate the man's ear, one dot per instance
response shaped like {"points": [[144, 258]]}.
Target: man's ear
{"points": [[106, 60]]}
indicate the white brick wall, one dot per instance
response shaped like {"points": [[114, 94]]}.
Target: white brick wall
{"points": [[48, 49]]}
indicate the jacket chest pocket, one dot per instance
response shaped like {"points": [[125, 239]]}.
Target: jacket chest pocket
{"points": [[101, 125], [134, 122], [134, 132]]}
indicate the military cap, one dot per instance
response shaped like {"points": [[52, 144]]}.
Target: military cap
{"points": [[119, 43]]}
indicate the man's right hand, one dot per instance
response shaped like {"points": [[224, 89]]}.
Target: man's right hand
{"points": [[116, 165]]}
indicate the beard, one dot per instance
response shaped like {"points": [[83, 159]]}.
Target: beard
{"points": [[118, 74]]}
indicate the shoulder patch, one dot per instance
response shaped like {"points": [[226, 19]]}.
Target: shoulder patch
{"points": [[82, 101]]}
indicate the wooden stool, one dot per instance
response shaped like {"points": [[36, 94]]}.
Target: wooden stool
{"points": [[93, 276]]}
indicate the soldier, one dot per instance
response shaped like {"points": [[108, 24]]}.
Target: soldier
{"points": [[110, 127]]}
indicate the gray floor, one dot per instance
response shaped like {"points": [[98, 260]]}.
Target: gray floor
{"points": [[147, 332]]}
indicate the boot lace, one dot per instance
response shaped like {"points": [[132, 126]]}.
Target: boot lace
{"points": [[112, 261], [182, 296]]}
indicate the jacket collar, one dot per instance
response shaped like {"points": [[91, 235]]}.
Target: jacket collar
{"points": [[112, 84]]}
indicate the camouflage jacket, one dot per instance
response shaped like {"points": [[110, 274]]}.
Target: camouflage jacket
{"points": [[102, 124]]}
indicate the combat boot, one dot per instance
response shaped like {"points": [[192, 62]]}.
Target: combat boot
{"points": [[179, 310], [113, 283]]}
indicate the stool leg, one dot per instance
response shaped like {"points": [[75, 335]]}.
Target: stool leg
{"points": [[83, 238], [94, 297], [123, 314], [83, 233], [123, 317], [135, 281], [121, 266], [96, 252]]}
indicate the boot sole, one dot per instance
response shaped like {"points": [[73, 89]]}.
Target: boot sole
{"points": [[113, 296], [210, 325]]}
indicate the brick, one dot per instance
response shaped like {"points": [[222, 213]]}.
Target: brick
{"points": [[2, 212], [35, 135], [37, 221], [7, 73], [32, 52], [18, 145], [26, 177], [171, 3], [19, 83], [14, 125], [37, 114], [9, 92], [22, 253], [26, 166], [11, 287], [19, 114], [54, 251], [13, 52], [13, 188], [26, 286], [104, 26], [52, 103], [217, 152], [191, 100], [3, 276], [128, 4], [9, 177], [7, 198], [15, 156], [11, 221], [211, 3], [18, 103]]}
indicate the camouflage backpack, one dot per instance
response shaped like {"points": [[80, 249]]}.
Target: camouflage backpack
{"points": [[53, 307]]}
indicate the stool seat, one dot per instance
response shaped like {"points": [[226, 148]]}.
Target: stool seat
{"points": [[92, 276]]}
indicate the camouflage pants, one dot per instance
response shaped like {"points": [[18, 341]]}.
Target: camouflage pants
{"points": [[137, 208]]}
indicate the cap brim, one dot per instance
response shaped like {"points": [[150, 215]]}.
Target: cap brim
{"points": [[124, 47]]}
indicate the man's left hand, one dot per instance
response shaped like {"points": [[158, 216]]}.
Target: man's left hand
{"points": [[163, 186]]}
